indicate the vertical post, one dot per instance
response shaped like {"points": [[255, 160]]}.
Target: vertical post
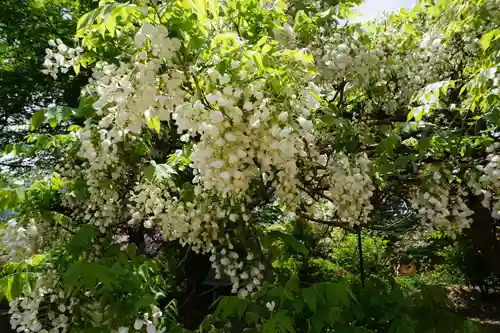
{"points": [[360, 253]]}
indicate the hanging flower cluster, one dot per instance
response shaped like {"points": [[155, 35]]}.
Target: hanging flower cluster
{"points": [[440, 208], [193, 223], [245, 275], [149, 323], [489, 181], [60, 58], [344, 58], [374, 62], [19, 242], [133, 93], [150, 202], [350, 189], [26, 315], [244, 131]]}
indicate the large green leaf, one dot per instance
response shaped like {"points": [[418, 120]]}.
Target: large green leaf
{"points": [[310, 298], [289, 240], [107, 17]]}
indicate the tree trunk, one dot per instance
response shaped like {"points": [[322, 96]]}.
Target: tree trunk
{"points": [[483, 236]]}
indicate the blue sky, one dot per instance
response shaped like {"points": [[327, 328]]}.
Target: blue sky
{"points": [[373, 8]]}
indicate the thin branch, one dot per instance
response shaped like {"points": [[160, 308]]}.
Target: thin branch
{"points": [[331, 223], [341, 99], [312, 194], [65, 228]]}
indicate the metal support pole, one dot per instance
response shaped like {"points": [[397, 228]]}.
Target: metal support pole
{"points": [[360, 253]]}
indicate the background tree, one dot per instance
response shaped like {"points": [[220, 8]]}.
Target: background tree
{"points": [[25, 27]]}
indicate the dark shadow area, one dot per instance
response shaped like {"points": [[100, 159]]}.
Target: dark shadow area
{"points": [[483, 308]]}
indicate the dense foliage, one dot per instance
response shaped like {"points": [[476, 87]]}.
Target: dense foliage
{"points": [[25, 27], [217, 145]]}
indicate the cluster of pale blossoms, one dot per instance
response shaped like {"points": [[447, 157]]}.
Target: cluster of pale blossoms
{"points": [[102, 208], [60, 58], [439, 208], [25, 313], [488, 184], [400, 75], [245, 278], [285, 35], [58, 312], [104, 156], [244, 133], [150, 201], [341, 58], [350, 188], [19, 242], [148, 323], [132, 94], [195, 224]]}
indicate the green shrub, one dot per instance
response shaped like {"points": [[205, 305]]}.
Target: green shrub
{"points": [[341, 306], [376, 262], [322, 270]]}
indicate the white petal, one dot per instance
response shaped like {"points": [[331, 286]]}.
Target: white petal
{"points": [[151, 328], [138, 324]]}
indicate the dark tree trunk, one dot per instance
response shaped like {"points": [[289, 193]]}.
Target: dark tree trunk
{"points": [[5, 317], [483, 236], [197, 297]]}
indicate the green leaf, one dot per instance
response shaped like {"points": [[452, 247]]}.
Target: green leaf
{"points": [[4, 290], [154, 123], [15, 285], [37, 119], [289, 240], [310, 298], [279, 322], [36, 259], [206, 323], [53, 122], [293, 283], [149, 172], [252, 317], [258, 60], [106, 18], [486, 39], [298, 305], [289, 294], [276, 292], [82, 239], [85, 109], [336, 294], [241, 308], [262, 41], [388, 145], [187, 192], [361, 330], [318, 321], [404, 328], [223, 303], [72, 275], [334, 316], [266, 48], [101, 274]]}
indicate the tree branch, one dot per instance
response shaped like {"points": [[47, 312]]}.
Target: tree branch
{"points": [[331, 223]]}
